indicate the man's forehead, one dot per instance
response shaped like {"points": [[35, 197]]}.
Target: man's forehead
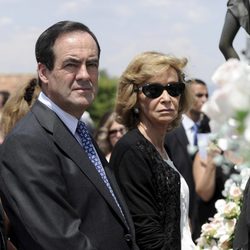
{"points": [[199, 88]]}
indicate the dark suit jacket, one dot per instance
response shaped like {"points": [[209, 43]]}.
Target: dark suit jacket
{"points": [[199, 211], [151, 189], [242, 229], [53, 195]]}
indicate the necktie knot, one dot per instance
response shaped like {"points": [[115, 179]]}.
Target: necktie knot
{"points": [[82, 131], [86, 141]]}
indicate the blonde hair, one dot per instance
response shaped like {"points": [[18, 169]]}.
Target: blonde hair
{"points": [[102, 134], [18, 105], [143, 67]]}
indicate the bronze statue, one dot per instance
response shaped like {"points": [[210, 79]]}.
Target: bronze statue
{"points": [[238, 12]]}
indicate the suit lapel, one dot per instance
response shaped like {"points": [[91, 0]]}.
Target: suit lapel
{"points": [[114, 186], [181, 136], [183, 140], [69, 145]]}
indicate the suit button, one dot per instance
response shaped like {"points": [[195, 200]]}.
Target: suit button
{"points": [[128, 237]]}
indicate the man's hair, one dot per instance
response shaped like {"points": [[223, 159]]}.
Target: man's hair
{"points": [[44, 45], [197, 81]]}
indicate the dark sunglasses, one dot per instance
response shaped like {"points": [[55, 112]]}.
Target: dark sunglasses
{"points": [[154, 90]]}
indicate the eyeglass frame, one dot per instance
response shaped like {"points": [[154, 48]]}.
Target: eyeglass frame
{"points": [[114, 132], [163, 87]]}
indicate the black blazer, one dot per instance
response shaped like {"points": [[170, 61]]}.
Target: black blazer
{"points": [[242, 229], [151, 189], [176, 143], [54, 197]]}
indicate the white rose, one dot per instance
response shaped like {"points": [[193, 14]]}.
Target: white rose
{"points": [[235, 193], [218, 107], [232, 71], [231, 210], [220, 206]]}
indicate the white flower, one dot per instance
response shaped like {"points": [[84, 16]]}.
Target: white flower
{"points": [[231, 210], [218, 106], [224, 242], [220, 205], [235, 193], [231, 72], [229, 112]]}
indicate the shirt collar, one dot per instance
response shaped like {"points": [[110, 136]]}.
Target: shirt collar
{"points": [[187, 122], [69, 120]]}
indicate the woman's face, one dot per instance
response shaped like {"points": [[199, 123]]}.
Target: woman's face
{"points": [[116, 131], [162, 110]]}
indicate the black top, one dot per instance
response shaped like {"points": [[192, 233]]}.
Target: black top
{"points": [[151, 189]]}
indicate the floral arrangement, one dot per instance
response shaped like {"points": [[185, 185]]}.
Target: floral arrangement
{"points": [[229, 111]]}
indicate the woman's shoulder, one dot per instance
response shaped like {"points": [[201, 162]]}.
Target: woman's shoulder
{"points": [[132, 137], [133, 143]]}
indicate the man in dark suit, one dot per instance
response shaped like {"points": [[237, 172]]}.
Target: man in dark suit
{"points": [[58, 196], [178, 141]]}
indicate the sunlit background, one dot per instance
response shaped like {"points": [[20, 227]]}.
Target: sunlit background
{"points": [[189, 28]]}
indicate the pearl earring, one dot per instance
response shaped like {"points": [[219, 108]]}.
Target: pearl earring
{"points": [[136, 110]]}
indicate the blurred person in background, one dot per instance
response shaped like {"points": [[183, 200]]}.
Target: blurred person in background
{"points": [[15, 108], [109, 133], [4, 96], [18, 105], [209, 179]]}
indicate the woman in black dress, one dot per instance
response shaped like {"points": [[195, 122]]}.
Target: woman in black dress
{"points": [[150, 101]]}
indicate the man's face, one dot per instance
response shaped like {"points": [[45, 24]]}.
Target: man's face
{"points": [[200, 93], [73, 82]]}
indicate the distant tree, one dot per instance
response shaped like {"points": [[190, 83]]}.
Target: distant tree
{"points": [[106, 96]]}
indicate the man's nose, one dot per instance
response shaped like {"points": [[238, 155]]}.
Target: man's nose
{"points": [[82, 72]]}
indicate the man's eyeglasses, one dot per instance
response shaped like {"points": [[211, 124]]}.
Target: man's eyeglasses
{"points": [[154, 90]]}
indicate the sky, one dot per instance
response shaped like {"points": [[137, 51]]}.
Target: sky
{"points": [[124, 28]]}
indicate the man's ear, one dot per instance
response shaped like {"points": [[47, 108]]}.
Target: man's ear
{"points": [[42, 72]]}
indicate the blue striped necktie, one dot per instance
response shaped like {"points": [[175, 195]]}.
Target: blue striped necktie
{"points": [[195, 129], [88, 146]]}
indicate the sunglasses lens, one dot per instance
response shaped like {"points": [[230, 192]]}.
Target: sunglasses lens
{"points": [[174, 89], [152, 90]]}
